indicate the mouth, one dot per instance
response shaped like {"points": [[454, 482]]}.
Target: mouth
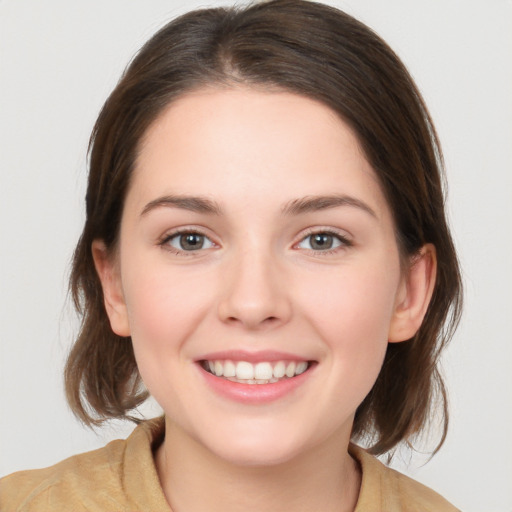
{"points": [[263, 372]]}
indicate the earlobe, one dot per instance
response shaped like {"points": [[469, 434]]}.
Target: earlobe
{"points": [[109, 275], [414, 295]]}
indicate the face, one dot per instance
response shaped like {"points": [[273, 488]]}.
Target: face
{"points": [[257, 273]]}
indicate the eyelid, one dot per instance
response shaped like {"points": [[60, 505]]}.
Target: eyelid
{"points": [[163, 241], [342, 236]]}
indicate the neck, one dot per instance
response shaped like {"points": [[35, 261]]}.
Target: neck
{"points": [[194, 479]]}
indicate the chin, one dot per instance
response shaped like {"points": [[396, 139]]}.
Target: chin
{"points": [[257, 448], [256, 456]]}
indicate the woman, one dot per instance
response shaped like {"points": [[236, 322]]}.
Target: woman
{"points": [[266, 249]]}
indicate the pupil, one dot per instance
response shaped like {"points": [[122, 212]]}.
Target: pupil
{"points": [[191, 241], [321, 241]]}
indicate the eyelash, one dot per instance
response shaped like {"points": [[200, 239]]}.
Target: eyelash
{"points": [[344, 242], [164, 242]]}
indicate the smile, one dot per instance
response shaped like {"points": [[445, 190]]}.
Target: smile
{"points": [[264, 372]]}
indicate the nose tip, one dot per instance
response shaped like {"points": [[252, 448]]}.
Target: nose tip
{"points": [[251, 318], [254, 296]]}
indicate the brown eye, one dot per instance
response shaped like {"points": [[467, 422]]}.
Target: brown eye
{"points": [[323, 241], [189, 241]]}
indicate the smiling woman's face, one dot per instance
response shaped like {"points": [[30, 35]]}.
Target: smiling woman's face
{"points": [[257, 273]]}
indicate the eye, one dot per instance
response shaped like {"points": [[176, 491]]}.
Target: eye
{"points": [[323, 241], [188, 241]]}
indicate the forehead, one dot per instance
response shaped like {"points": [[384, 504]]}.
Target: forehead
{"points": [[242, 142]]}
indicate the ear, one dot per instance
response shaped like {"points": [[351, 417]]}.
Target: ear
{"points": [[414, 295], [107, 268]]}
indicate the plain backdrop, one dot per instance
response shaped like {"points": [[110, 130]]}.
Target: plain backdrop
{"points": [[58, 62]]}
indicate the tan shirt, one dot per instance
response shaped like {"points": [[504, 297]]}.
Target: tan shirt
{"points": [[121, 477]]}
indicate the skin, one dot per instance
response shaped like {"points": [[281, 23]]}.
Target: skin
{"points": [[259, 284]]}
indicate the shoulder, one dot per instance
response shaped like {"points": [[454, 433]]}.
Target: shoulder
{"points": [[383, 488], [27, 490], [92, 481]]}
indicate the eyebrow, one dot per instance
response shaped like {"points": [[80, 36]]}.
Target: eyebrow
{"points": [[303, 205], [317, 203], [191, 203]]}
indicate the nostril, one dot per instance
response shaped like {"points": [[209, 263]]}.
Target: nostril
{"points": [[254, 311], [254, 322], [268, 319]]}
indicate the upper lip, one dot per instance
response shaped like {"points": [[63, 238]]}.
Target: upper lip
{"points": [[251, 357]]}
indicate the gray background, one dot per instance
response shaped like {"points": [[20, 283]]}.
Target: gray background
{"points": [[58, 62]]}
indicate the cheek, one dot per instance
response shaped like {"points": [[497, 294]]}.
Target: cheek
{"points": [[357, 303], [352, 313], [163, 308], [164, 311]]}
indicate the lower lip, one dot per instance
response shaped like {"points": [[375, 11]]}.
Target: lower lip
{"points": [[254, 393]]}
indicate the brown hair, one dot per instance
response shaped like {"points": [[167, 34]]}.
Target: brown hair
{"points": [[319, 52]]}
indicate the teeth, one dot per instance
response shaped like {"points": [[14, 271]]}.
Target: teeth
{"points": [[263, 371], [229, 369], [244, 370], [290, 370], [279, 370], [259, 373], [301, 367]]}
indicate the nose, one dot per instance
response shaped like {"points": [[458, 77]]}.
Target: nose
{"points": [[254, 294]]}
